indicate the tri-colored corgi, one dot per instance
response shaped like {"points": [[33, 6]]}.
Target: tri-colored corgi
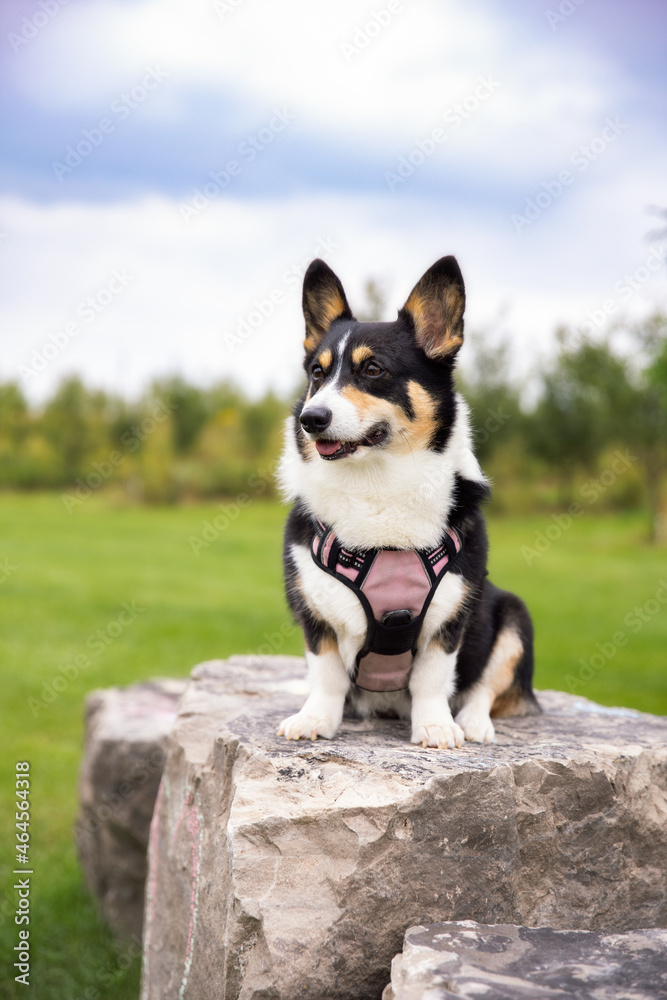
{"points": [[386, 546]]}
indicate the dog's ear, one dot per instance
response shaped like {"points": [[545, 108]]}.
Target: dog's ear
{"points": [[435, 306], [323, 302]]}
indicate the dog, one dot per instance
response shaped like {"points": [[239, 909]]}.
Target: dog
{"points": [[385, 547]]}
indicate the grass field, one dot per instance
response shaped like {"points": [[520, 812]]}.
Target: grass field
{"points": [[595, 594]]}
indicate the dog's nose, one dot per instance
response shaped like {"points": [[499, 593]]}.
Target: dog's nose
{"points": [[316, 419]]}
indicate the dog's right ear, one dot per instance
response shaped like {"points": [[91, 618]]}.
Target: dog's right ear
{"points": [[323, 302]]}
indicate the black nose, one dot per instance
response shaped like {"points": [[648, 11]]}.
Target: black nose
{"points": [[316, 419]]}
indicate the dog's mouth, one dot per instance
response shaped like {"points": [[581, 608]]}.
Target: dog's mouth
{"points": [[332, 450]]}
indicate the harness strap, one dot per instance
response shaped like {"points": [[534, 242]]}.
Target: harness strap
{"points": [[395, 588]]}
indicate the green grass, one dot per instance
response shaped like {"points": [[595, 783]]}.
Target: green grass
{"points": [[74, 572]]}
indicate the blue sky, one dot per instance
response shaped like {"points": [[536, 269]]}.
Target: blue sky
{"points": [[526, 138]]}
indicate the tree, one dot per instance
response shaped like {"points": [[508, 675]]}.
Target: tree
{"points": [[645, 424], [13, 414], [75, 423], [486, 383], [585, 397], [376, 302], [190, 409]]}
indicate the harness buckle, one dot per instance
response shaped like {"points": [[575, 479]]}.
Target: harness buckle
{"points": [[394, 618]]}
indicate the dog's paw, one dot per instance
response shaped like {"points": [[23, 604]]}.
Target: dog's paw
{"points": [[304, 726], [476, 725], [443, 735]]}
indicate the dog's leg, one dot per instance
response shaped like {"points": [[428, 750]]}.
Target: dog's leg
{"points": [[323, 710], [497, 677], [432, 684]]}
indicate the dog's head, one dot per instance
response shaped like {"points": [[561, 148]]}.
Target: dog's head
{"points": [[379, 386]]}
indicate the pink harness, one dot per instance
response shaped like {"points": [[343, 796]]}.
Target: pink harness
{"points": [[395, 588]]}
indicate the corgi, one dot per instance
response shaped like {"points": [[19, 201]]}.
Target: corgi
{"points": [[385, 547]]}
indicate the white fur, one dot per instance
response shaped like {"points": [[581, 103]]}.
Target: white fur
{"points": [[346, 424], [432, 683], [375, 498], [323, 710]]}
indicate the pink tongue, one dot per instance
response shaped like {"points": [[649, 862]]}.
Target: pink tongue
{"points": [[327, 447]]}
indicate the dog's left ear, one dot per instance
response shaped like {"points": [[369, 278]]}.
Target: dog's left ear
{"points": [[323, 302], [435, 306]]}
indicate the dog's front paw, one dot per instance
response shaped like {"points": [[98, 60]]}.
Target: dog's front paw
{"points": [[476, 725], [443, 735], [304, 726]]}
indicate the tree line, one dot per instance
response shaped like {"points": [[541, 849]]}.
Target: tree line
{"points": [[589, 426]]}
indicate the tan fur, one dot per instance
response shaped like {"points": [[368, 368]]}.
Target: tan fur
{"points": [[511, 703], [437, 319], [366, 404], [328, 644], [361, 353], [499, 676], [423, 426], [408, 434], [325, 359], [327, 307]]}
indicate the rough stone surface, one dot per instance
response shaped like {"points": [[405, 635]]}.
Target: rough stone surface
{"points": [[282, 869], [469, 961], [125, 749]]}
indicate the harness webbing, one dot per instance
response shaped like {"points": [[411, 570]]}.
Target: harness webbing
{"points": [[395, 588]]}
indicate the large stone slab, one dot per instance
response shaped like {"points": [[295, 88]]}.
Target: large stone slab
{"points": [[282, 869], [125, 749], [467, 961]]}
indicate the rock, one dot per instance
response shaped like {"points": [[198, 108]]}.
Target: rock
{"points": [[125, 751], [463, 959], [282, 869]]}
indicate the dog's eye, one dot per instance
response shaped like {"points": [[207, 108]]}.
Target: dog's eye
{"points": [[317, 373], [373, 369]]}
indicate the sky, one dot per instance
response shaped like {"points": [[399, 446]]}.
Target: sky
{"points": [[169, 169]]}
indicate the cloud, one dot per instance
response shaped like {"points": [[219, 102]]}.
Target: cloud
{"points": [[220, 296], [226, 71], [409, 137]]}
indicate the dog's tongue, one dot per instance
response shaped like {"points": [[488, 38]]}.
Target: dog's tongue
{"points": [[327, 447]]}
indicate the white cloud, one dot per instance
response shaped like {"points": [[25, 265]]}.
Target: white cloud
{"points": [[395, 90], [192, 284]]}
